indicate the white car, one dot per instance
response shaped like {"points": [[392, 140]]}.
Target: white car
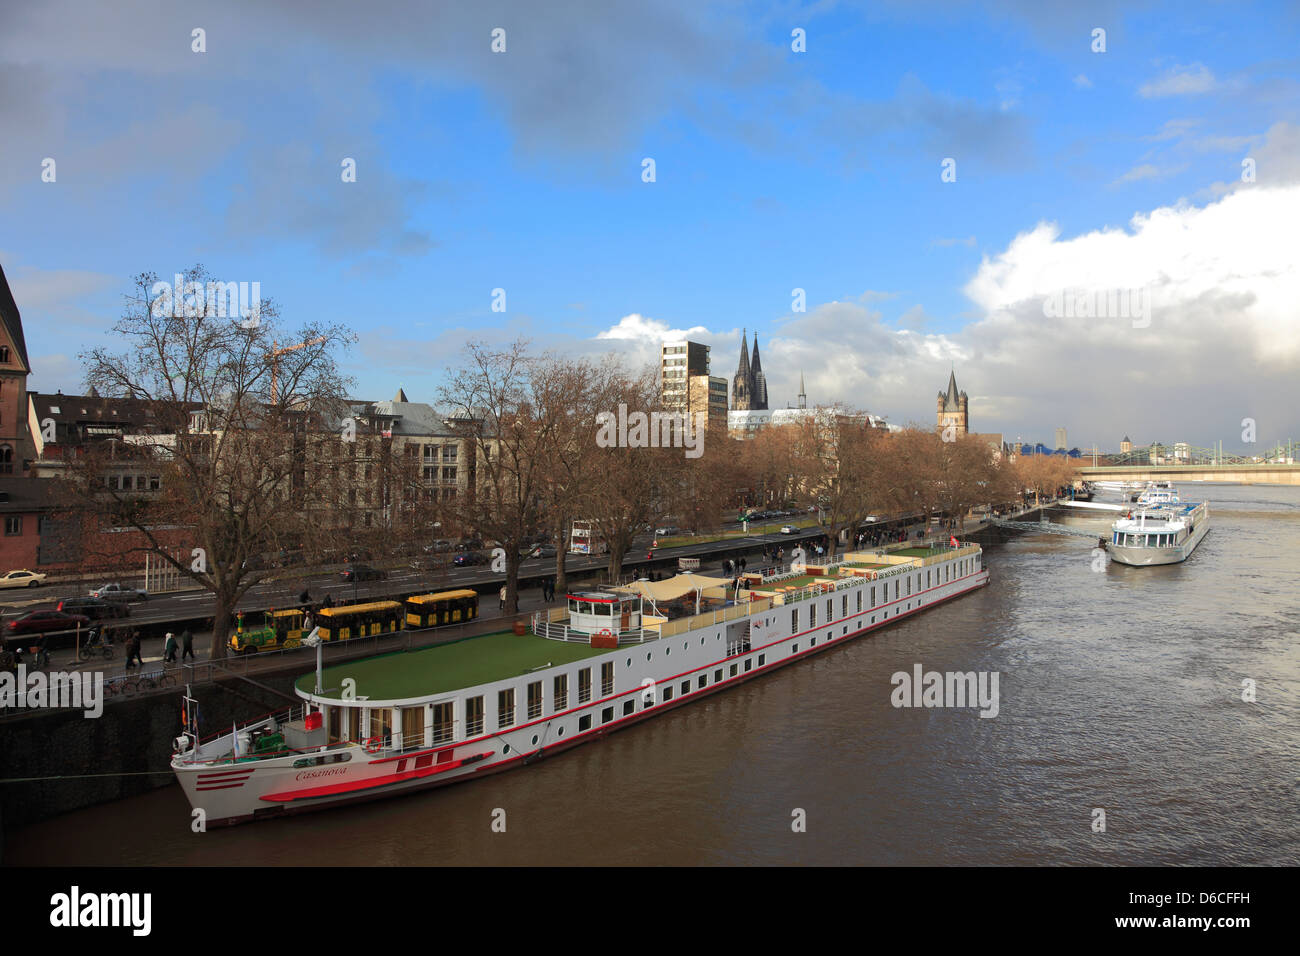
{"points": [[789, 529], [22, 579]]}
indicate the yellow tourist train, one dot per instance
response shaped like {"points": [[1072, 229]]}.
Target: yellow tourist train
{"points": [[441, 607]]}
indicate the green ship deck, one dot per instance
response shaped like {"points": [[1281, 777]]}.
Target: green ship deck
{"points": [[448, 667]]}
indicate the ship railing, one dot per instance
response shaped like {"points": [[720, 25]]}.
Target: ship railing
{"points": [[561, 630], [214, 746]]}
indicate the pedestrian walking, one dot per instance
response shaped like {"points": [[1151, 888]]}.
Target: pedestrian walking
{"points": [[169, 649], [503, 597], [743, 564], [132, 650], [187, 645], [42, 653], [304, 598], [308, 623]]}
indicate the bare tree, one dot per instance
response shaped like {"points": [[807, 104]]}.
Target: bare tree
{"points": [[240, 423]]}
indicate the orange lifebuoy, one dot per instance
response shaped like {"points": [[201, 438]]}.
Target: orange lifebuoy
{"points": [[372, 745], [605, 632]]}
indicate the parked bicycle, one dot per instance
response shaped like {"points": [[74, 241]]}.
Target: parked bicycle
{"points": [[95, 646]]}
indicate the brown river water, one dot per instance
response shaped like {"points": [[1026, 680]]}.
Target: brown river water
{"points": [[1119, 690]]}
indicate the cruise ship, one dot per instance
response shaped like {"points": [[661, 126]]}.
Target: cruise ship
{"points": [[401, 722], [1166, 532]]}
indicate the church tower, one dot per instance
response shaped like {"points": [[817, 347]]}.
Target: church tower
{"points": [[742, 386], [15, 447], [758, 381], [953, 409]]}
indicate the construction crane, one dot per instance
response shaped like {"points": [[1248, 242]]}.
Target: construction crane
{"points": [[276, 352]]}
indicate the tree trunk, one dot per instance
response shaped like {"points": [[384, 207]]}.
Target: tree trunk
{"points": [[615, 567], [561, 573], [512, 580], [222, 606]]}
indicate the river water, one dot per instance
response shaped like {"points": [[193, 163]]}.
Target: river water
{"points": [[1119, 691]]}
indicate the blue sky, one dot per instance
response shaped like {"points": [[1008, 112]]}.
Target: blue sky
{"points": [[774, 170]]}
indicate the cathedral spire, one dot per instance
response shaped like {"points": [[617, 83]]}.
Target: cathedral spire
{"points": [[758, 390]]}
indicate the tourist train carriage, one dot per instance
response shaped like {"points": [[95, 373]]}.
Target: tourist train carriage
{"points": [[399, 722], [441, 607], [358, 620]]}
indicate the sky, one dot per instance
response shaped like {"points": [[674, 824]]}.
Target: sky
{"points": [[1094, 230]]}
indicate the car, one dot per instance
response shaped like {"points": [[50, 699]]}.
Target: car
{"points": [[41, 622], [667, 532], [789, 529], [363, 572], [870, 518], [466, 558], [119, 592], [22, 579], [543, 551], [470, 544], [441, 546], [97, 609]]}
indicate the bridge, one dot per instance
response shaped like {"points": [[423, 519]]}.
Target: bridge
{"points": [[1243, 473]]}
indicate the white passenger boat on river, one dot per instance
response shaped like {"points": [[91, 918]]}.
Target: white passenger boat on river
{"points": [[401, 722]]}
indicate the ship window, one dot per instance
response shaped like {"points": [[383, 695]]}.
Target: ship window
{"points": [[473, 716], [795, 649], [561, 692], [734, 670], [584, 722], [873, 595], [443, 726], [794, 621], [762, 659], [584, 685], [628, 706], [534, 700], [812, 615], [607, 715], [749, 664], [506, 707], [830, 608], [859, 600], [668, 694], [534, 740], [717, 675], [606, 679], [844, 606], [686, 687]]}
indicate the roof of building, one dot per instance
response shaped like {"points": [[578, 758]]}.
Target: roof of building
{"points": [[951, 402], [93, 410], [12, 321]]}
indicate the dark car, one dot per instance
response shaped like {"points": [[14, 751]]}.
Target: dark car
{"points": [[97, 609], [41, 622], [543, 551], [363, 572], [470, 544], [466, 558]]}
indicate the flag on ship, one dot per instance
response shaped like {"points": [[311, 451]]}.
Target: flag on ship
{"points": [[952, 541]]}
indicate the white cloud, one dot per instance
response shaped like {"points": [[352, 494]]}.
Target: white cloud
{"points": [[1082, 82], [1148, 171], [639, 328], [1222, 343], [1179, 81], [969, 241]]}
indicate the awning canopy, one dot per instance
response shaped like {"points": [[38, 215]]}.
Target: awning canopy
{"points": [[680, 585]]}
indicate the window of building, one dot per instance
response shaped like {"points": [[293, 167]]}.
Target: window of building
{"points": [[534, 700], [4, 353], [506, 707], [14, 525], [606, 678], [561, 690], [474, 716]]}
